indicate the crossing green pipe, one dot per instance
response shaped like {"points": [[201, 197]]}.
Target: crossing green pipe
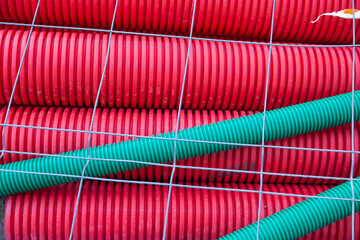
{"points": [[305, 217], [280, 123]]}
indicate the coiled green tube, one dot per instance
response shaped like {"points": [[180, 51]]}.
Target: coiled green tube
{"points": [[280, 123], [305, 217]]}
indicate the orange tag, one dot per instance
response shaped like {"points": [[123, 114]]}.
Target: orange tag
{"points": [[346, 13]]}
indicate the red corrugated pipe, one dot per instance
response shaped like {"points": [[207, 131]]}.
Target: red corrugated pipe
{"points": [[150, 122], [64, 68], [235, 19], [131, 211]]}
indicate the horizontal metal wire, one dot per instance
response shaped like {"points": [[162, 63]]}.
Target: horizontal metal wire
{"points": [[178, 185], [177, 36], [237, 171], [178, 121], [181, 140]]}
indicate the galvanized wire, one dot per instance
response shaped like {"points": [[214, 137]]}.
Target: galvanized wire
{"points": [[352, 126], [179, 36], [92, 122], [182, 140], [180, 185], [178, 121], [174, 166], [264, 120], [235, 171]]}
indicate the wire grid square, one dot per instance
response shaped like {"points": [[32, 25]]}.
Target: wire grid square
{"points": [[174, 166]]}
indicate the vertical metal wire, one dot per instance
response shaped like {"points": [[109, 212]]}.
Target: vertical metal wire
{"points": [[352, 127], [177, 122], [92, 122], [17, 78], [264, 115]]}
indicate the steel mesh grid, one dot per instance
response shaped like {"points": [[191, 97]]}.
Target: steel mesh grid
{"points": [[175, 140]]}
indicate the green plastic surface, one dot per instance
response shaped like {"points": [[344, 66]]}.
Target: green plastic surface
{"points": [[305, 217]]}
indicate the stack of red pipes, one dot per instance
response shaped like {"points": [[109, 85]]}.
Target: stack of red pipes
{"points": [[141, 93]]}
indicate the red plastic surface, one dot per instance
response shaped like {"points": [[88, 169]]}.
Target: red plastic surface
{"points": [[64, 68], [150, 122], [235, 19], [130, 211]]}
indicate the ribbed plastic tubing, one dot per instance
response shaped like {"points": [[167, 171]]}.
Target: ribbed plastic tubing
{"points": [[64, 68], [280, 123], [132, 211], [305, 217], [151, 122], [234, 19]]}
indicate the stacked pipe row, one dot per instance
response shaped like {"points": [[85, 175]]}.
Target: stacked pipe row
{"points": [[64, 68], [235, 19], [151, 122], [131, 211]]}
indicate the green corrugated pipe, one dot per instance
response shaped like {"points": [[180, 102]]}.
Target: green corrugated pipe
{"points": [[280, 123], [305, 217]]}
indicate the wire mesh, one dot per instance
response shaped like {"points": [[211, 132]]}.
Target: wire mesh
{"points": [[174, 166]]}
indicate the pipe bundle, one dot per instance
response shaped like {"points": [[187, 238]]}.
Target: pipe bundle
{"points": [[308, 106]]}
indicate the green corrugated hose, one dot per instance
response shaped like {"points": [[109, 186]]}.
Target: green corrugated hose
{"points": [[305, 217], [280, 123]]}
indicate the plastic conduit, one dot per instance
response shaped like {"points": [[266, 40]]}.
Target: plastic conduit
{"points": [[64, 69], [281, 123], [236, 19], [131, 211], [305, 217], [151, 122]]}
